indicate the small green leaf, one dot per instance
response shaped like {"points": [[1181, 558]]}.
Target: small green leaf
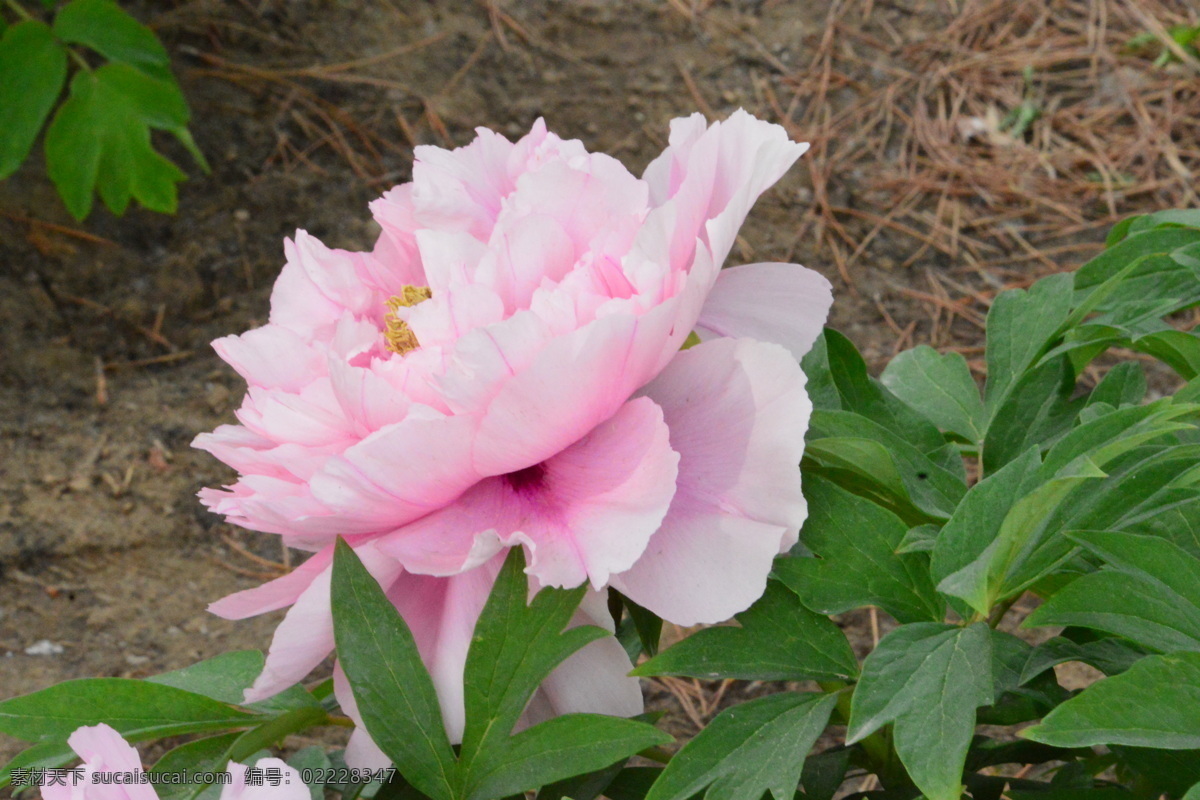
{"points": [[856, 563], [104, 27], [778, 640], [927, 678], [100, 139], [1178, 350], [224, 678], [1038, 408], [825, 772], [1020, 324], [1156, 703], [33, 67], [940, 387], [755, 747], [138, 710], [1110, 655], [391, 686]]}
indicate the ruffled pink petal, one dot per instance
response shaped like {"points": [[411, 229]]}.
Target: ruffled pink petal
{"points": [[272, 357], [318, 284], [781, 303], [273, 595], [291, 785], [102, 750], [395, 475], [607, 360], [737, 412], [305, 636], [585, 513]]}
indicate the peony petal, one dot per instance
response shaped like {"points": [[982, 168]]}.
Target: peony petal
{"points": [[102, 750], [272, 357], [737, 412], [781, 303], [289, 787], [585, 513], [273, 595], [305, 637]]}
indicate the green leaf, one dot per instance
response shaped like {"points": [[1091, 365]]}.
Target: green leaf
{"points": [[825, 772], [226, 678], [926, 492], [551, 751], [755, 747], [315, 760], [203, 755], [34, 67], [1020, 324], [515, 647], [391, 686], [927, 678], [1156, 703], [581, 787], [1037, 410], [104, 27], [779, 640], [1169, 772], [633, 783], [647, 624], [1152, 597], [100, 139], [138, 710], [45, 755], [863, 395], [1178, 350], [940, 387], [1110, 655], [857, 565]]}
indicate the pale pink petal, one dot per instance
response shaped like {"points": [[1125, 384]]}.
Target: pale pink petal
{"points": [[273, 595], [781, 303], [272, 356], [318, 284], [396, 262], [396, 474], [607, 360], [305, 637], [102, 750], [584, 514], [291, 785], [737, 412]]}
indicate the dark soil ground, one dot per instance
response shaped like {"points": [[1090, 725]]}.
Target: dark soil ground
{"points": [[309, 109]]}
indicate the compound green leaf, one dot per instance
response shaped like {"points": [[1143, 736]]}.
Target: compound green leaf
{"points": [[33, 68]]}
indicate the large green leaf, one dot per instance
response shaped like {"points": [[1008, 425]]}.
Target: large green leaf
{"points": [[856, 562], [753, 748], [104, 27], [778, 640], [391, 686], [137, 709], [515, 647], [1151, 596], [940, 387], [45, 755], [1156, 703], [33, 67], [927, 678], [100, 140]]}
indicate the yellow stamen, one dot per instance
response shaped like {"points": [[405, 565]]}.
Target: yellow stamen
{"points": [[400, 338]]}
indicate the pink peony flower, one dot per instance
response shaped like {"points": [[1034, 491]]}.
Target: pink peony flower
{"points": [[505, 368], [112, 770]]}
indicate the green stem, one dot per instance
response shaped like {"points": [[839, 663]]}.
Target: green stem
{"points": [[79, 60], [341, 722], [1000, 610], [20, 12], [656, 754]]}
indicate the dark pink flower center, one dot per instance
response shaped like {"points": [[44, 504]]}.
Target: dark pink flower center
{"points": [[528, 480]]}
